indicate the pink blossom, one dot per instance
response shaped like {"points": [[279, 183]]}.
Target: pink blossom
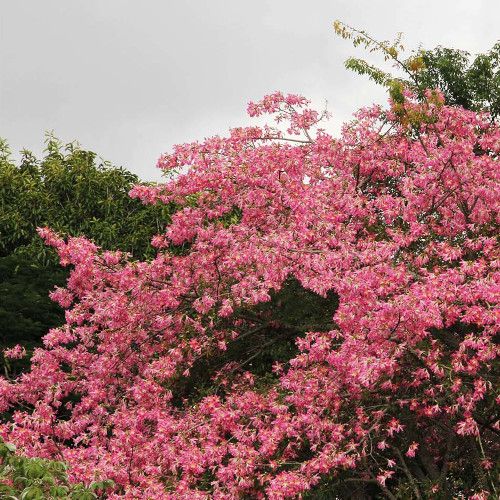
{"points": [[412, 449]]}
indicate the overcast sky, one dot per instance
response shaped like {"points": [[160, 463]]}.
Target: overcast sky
{"points": [[129, 78]]}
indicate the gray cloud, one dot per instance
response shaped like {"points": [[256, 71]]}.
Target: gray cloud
{"points": [[129, 79]]}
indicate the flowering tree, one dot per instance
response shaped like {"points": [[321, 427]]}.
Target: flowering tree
{"points": [[371, 257]]}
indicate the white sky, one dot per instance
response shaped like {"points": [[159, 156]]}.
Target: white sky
{"points": [[130, 78]]}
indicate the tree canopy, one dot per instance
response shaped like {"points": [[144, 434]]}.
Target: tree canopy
{"points": [[372, 256], [466, 81]]}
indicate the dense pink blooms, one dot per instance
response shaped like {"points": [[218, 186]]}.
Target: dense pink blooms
{"points": [[16, 352], [397, 217]]}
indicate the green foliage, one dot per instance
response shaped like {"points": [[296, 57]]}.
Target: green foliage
{"points": [[470, 83], [473, 83], [26, 311], [23, 478], [73, 192], [389, 50], [361, 67]]}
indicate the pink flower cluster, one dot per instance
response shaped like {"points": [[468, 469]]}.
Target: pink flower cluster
{"points": [[398, 220]]}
